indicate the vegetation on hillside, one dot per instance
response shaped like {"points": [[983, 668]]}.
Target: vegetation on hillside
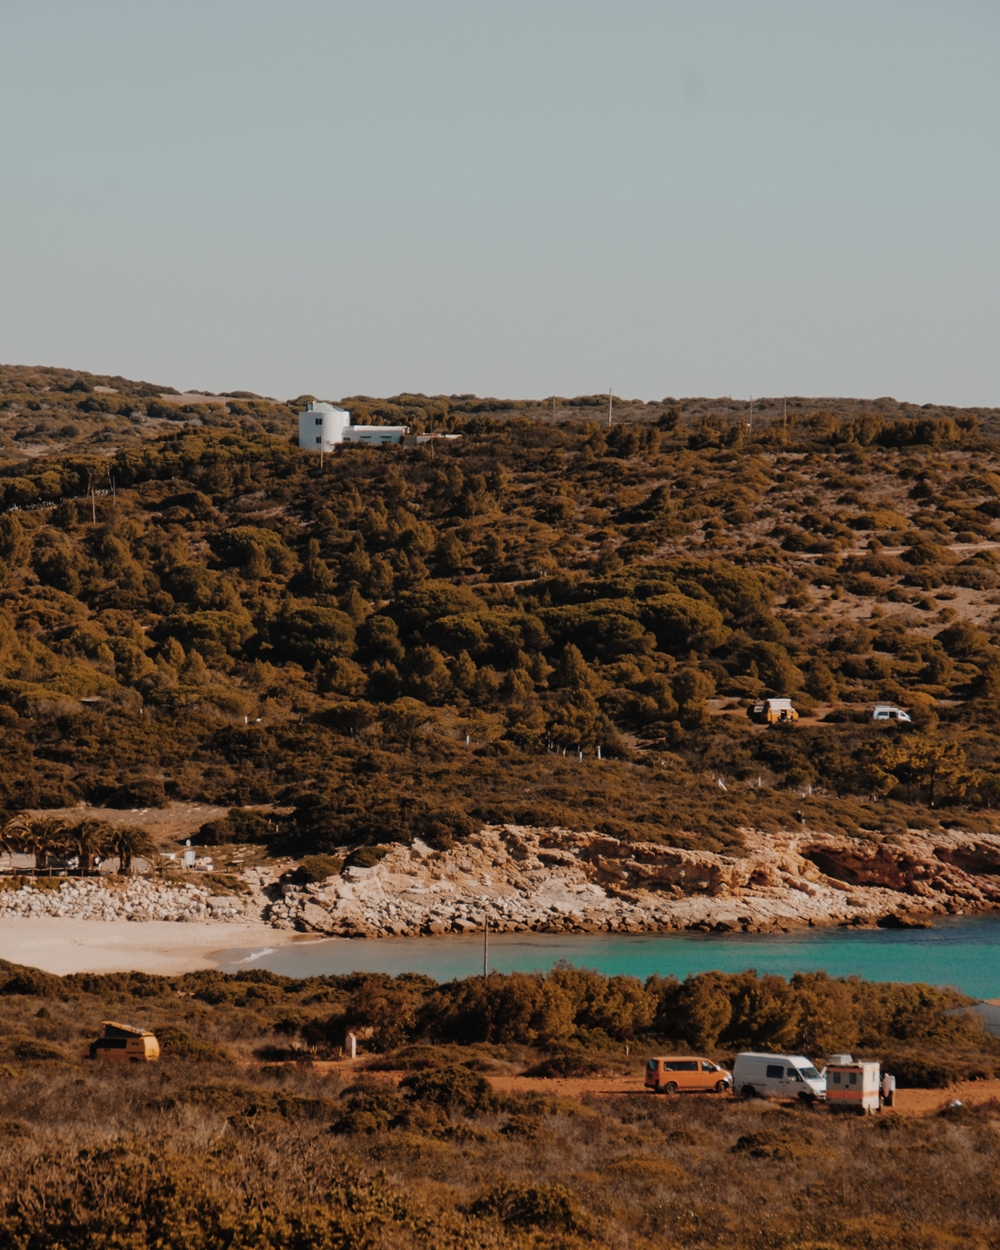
{"points": [[404, 642]]}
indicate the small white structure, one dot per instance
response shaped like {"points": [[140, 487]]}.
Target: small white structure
{"points": [[323, 426], [888, 711], [853, 1086]]}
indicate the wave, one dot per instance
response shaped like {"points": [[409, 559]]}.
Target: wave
{"points": [[255, 955]]}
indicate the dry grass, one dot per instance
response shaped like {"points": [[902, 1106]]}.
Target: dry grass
{"points": [[180, 1156], [216, 1147]]}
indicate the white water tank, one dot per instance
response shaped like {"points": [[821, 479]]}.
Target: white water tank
{"points": [[321, 426]]}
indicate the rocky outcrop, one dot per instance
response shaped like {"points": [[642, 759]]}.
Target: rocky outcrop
{"points": [[559, 881], [132, 899], [518, 879]]}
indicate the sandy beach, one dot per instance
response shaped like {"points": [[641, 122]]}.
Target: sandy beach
{"points": [[62, 945]]}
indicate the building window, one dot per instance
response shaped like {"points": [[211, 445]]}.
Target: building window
{"points": [[319, 440], [319, 420]]}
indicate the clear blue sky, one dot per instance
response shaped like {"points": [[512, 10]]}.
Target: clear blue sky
{"points": [[512, 197]]}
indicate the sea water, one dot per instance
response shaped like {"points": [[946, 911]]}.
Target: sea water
{"points": [[961, 952]]}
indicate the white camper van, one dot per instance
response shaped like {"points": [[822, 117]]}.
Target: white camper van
{"points": [[758, 1075]]}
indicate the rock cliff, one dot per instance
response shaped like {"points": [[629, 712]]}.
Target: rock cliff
{"points": [[559, 881], [556, 880]]}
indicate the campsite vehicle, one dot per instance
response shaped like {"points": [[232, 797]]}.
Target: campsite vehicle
{"points": [[888, 711], [122, 1043], [673, 1074], [759, 1075], [852, 1086], [772, 712]]}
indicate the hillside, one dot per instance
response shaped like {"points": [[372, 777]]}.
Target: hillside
{"points": [[412, 643]]}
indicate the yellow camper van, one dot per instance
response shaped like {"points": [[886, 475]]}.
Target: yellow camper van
{"points": [[772, 712], [122, 1043]]}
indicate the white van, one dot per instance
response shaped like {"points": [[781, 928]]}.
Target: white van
{"points": [[889, 711], [757, 1075]]}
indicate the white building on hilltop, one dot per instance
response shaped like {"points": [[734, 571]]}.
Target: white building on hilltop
{"points": [[322, 427]]}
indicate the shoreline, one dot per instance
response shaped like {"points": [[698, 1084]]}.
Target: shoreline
{"points": [[62, 945], [65, 944]]}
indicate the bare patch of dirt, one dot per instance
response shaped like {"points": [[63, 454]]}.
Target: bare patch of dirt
{"points": [[165, 824]]}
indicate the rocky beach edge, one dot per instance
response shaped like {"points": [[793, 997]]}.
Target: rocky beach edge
{"points": [[518, 879]]}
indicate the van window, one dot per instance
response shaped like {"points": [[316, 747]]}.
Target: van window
{"points": [[651, 1065], [854, 1078], [793, 1075], [810, 1073], [774, 1072], [836, 1078], [708, 1067], [681, 1065]]}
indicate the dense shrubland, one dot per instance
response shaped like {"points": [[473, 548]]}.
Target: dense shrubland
{"points": [[404, 643], [566, 1019], [222, 1143]]}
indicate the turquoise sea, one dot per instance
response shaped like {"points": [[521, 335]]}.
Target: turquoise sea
{"points": [[962, 952]]}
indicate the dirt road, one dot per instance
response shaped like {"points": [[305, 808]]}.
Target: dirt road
{"points": [[908, 1102]]}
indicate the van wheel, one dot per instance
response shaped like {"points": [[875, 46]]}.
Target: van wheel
{"points": [[670, 1087], [721, 1086], [748, 1091]]}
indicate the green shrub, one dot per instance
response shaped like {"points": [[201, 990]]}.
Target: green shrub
{"points": [[175, 1043], [366, 856], [30, 1050], [550, 1207], [315, 868], [452, 1087]]}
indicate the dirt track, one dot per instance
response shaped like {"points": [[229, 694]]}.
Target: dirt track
{"points": [[908, 1102]]}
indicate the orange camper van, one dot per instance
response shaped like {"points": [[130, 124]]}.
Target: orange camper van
{"points": [[676, 1074], [122, 1043]]}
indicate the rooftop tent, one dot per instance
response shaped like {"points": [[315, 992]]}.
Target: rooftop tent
{"points": [[113, 1029]]}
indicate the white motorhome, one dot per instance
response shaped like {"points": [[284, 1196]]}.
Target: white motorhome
{"points": [[888, 711], [853, 1086], [759, 1075]]}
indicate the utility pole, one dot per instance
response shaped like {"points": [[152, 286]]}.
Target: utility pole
{"points": [[609, 407], [751, 416]]}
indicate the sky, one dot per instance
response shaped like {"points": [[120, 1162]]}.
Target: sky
{"points": [[517, 198]]}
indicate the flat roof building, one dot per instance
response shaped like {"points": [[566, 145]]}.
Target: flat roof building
{"points": [[323, 426]]}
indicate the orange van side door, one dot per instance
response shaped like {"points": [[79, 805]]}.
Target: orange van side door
{"points": [[689, 1077]]}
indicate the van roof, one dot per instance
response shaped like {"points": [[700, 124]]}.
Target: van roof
{"points": [[763, 1054], [673, 1058]]}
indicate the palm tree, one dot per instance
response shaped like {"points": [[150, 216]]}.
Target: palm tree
{"points": [[15, 833], [25, 834], [129, 841], [91, 838]]}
